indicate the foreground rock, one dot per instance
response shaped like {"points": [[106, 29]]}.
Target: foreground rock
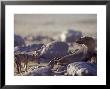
{"points": [[54, 49], [42, 71], [18, 41], [59, 70], [81, 69]]}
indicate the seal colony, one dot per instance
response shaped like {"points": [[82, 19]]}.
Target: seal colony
{"points": [[72, 55]]}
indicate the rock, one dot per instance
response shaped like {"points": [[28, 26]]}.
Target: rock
{"points": [[42, 71], [59, 70], [54, 49], [81, 69], [29, 38], [39, 38], [18, 41], [70, 36], [28, 48], [34, 47], [75, 56], [21, 49], [56, 73], [16, 49]]}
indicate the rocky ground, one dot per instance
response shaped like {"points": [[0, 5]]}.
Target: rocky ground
{"points": [[38, 32]]}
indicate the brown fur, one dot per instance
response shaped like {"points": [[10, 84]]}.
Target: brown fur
{"points": [[88, 41], [24, 58], [91, 44]]}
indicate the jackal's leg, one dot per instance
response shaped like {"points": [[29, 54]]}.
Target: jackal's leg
{"points": [[18, 71], [20, 66], [25, 67]]}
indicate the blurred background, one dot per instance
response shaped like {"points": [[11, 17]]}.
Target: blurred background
{"points": [[32, 26]]}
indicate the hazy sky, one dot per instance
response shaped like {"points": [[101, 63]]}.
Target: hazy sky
{"points": [[26, 24]]}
